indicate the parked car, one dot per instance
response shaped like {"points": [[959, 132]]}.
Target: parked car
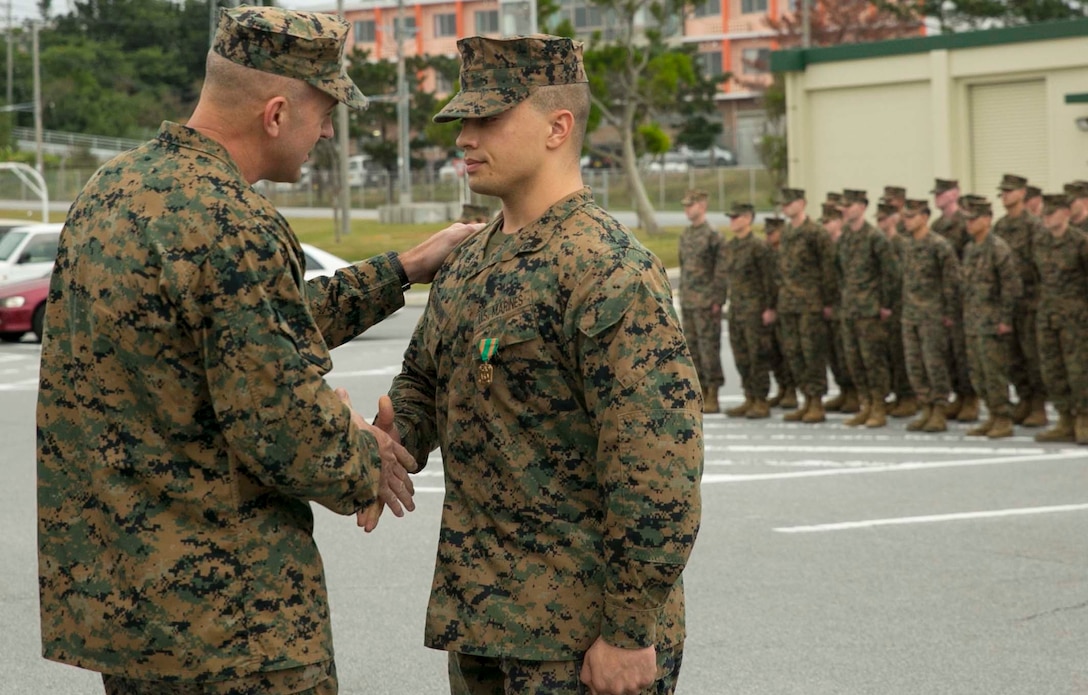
{"points": [[28, 251], [673, 162], [320, 262], [713, 157], [22, 308]]}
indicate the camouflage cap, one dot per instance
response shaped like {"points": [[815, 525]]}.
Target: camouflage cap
{"points": [[773, 224], [1076, 189], [694, 195], [738, 209], [916, 206], [973, 206], [791, 194], [831, 211], [895, 192], [1033, 192], [306, 46], [854, 195], [834, 197], [499, 73], [1053, 201], [884, 209], [942, 185], [1011, 182]]}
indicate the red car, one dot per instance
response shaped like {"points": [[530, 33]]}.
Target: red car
{"points": [[22, 308]]}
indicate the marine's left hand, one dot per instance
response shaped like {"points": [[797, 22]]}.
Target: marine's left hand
{"points": [[609, 670]]}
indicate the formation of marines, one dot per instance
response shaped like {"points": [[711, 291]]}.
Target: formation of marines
{"points": [[916, 317]]}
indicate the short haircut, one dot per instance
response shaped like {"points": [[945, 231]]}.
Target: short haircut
{"points": [[571, 97]]}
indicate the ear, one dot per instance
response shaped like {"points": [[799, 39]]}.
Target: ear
{"points": [[274, 117], [561, 127]]}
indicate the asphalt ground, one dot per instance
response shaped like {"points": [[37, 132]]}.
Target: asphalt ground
{"points": [[831, 560]]}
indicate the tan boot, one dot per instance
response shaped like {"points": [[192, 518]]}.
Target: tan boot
{"points": [[878, 415], [796, 415], [982, 429], [760, 409], [815, 411], [789, 399], [774, 400], [968, 411], [937, 421], [832, 405], [1037, 416], [1063, 431], [1021, 411], [862, 414], [852, 403], [710, 402], [905, 407], [740, 410], [919, 423], [1002, 428], [1080, 428], [952, 410]]}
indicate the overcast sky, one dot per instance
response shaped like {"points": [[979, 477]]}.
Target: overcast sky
{"points": [[28, 9]]}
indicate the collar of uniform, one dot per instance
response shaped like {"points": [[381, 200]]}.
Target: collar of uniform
{"points": [[178, 135]]}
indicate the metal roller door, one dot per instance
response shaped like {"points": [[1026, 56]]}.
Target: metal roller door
{"points": [[1008, 134]]}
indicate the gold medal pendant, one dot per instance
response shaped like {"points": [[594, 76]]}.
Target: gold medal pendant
{"points": [[486, 372], [484, 375]]}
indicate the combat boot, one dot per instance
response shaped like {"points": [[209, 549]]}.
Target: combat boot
{"points": [[1037, 416], [1002, 428], [835, 404], [1021, 411], [952, 410], [968, 411], [759, 410], [878, 416], [815, 411], [937, 421], [982, 429], [1064, 431], [774, 400], [919, 423], [796, 415], [905, 407], [852, 403], [862, 414], [710, 401], [1080, 428], [789, 399], [740, 410]]}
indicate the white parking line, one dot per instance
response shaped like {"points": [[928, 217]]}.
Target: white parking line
{"points": [[963, 516]]}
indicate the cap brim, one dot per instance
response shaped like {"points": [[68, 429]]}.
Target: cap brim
{"points": [[343, 90], [481, 103]]}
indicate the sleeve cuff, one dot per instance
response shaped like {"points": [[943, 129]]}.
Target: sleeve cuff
{"points": [[394, 260], [628, 628]]}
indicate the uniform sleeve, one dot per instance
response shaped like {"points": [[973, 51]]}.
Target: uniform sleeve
{"points": [[829, 277], [721, 269], [768, 273], [265, 361], [414, 392], [641, 388], [354, 299], [950, 280], [889, 270], [1006, 266]]}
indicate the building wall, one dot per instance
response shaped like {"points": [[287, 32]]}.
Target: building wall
{"points": [[970, 108]]}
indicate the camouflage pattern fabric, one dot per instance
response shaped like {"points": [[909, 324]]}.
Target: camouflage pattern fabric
{"points": [[779, 365], [931, 279], [481, 675], [184, 423], [865, 345], [498, 73], [753, 288], [1062, 320], [315, 679], [926, 347], [703, 282], [988, 356], [901, 385], [307, 46], [807, 341], [954, 230], [572, 467], [1021, 233], [836, 353], [703, 332], [807, 269]]}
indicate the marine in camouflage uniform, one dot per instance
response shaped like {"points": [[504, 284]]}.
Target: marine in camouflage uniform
{"points": [[1061, 258], [1033, 201], [753, 288], [847, 399], [787, 388], [953, 227], [1019, 229], [806, 267], [703, 286], [930, 300], [550, 368], [991, 286], [868, 275], [184, 424], [1078, 204], [906, 404]]}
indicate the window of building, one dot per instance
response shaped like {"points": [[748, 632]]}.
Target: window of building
{"points": [[710, 63], [487, 22], [365, 30], [747, 6], [409, 28], [587, 16], [757, 61], [709, 8], [445, 24]]}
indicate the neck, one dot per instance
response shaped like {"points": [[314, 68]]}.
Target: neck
{"points": [[213, 125], [533, 198], [857, 224], [1015, 209], [921, 232], [742, 233], [798, 219], [981, 236], [1059, 232]]}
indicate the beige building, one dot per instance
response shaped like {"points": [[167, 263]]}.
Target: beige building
{"points": [[969, 106]]}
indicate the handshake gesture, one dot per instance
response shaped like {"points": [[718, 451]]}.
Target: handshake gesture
{"points": [[395, 488]]}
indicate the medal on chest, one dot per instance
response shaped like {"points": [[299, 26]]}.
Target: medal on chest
{"points": [[485, 373]]}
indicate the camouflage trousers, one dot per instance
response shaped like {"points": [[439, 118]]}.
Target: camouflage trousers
{"points": [[958, 366], [866, 343], [703, 332], [988, 357], [1063, 356], [902, 386], [1024, 370], [751, 343], [926, 347], [779, 366], [837, 357], [807, 341], [315, 679], [484, 675]]}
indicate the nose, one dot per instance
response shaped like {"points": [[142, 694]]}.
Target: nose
{"points": [[466, 135]]}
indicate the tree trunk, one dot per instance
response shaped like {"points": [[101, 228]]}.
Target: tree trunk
{"points": [[643, 207]]}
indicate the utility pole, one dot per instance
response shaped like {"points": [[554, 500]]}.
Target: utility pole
{"points": [[404, 153], [806, 23], [11, 58], [39, 165], [344, 222]]}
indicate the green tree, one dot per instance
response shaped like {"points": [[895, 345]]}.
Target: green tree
{"points": [[959, 15]]}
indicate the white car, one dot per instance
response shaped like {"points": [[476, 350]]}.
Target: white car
{"points": [[669, 162], [28, 251], [320, 262]]}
